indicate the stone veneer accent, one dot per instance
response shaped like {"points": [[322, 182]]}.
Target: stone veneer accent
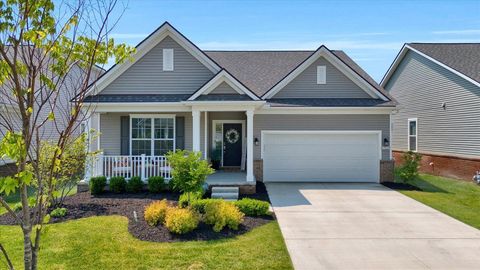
{"points": [[258, 169], [387, 171]]}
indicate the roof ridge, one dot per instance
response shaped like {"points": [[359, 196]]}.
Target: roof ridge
{"points": [[445, 43]]}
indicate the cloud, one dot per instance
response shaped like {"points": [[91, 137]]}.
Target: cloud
{"points": [[458, 32], [128, 35]]}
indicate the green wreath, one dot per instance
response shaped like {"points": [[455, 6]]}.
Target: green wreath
{"points": [[232, 136]]}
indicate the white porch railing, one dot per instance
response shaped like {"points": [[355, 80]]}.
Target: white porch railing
{"points": [[128, 166]]}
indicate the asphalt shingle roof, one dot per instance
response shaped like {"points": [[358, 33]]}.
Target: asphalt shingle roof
{"points": [[329, 102], [136, 98]]}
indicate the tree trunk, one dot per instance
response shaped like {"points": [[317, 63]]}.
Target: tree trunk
{"points": [[27, 249]]}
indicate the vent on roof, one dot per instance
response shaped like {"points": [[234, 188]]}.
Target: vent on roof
{"points": [[321, 74], [167, 59]]}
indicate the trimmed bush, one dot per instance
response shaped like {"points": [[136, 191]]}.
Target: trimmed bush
{"points": [[187, 198], [97, 184], [221, 214], [134, 184], [252, 207], [199, 205], [155, 212], [117, 184], [409, 170], [156, 184], [58, 212], [181, 220]]}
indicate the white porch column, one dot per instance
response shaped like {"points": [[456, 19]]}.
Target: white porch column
{"points": [[196, 130], [93, 166], [250, 176], [206, 136]]}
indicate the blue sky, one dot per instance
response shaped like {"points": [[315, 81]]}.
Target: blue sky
{"points": [[371, 32]]}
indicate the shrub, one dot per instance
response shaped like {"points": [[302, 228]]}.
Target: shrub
{"points": [[155, 212], [181, 220], [58, 212], [252, 207], [118, 184], [97, 184], [221, 214], [199, 205], [156, 184], [187, 199], [409, 170], [134, 184], [17, 207]]}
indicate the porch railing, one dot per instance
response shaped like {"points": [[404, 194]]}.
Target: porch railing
{"points": [[129, 166]]}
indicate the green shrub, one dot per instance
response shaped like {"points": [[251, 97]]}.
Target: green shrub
{"points": [[156, 184], [186, 199], [58, 212], [134, 184], [199, 205], [221, 214], [409, 170], [252, 207], [155, 212], [17, 207], [97, 184], [181, 220], [117, 184]]}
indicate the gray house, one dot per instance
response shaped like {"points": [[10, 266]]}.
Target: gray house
{"points": [[438, 89], [264, 115]]}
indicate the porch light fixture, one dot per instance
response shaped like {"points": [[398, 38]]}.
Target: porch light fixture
{"points": [[386, 142], [255, 141]]}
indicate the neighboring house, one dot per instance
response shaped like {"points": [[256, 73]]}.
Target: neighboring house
{"points": [[272, 115], [438, 88]]}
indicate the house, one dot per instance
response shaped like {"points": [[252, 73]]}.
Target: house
{"points": [[438, 88], [265, 115]]}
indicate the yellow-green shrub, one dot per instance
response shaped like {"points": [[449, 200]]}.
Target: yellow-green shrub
{"points": [[221, 213], [155, 212], [181, 220]]}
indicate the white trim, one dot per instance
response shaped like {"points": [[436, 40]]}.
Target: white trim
{"points": [[337, 63], [416, 134], [250, 174], [196, 130], [140, 107], [168, 63], [152, 118], [244, 135], [321, 74], [219, 78], [205, 142], [402, 54]]}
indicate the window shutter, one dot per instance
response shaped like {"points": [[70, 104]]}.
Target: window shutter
{"points": [[180, 132], [167, 59], [321, 74], [125, 135]]}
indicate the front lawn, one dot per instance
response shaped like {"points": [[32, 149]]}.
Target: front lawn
{"points": [[105, 243], [456, 198]]}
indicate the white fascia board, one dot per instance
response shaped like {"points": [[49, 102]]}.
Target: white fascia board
{"points": [[346, 70], [141, 107], [394, 65], [324, 110]]}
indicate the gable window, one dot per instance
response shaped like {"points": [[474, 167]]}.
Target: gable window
{"points": [[167, 59], [152, 135], [321, 74], [412, 134]]}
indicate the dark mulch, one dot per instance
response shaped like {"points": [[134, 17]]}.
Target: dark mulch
{"points": [[83, 205], [401, 186], [261, 193]]}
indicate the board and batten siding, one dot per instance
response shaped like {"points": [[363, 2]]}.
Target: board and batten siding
{"points": [[223, 88], [337, 84], [146, 76], [421, 87], [320, 122]]}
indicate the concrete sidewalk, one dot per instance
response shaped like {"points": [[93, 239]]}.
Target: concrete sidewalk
{"points": [[368, 226]]}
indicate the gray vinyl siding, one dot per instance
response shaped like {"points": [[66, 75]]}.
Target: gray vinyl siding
{"points": [[337, 84], [146, 76], [224, 88], [421, 86], [372, 122]]}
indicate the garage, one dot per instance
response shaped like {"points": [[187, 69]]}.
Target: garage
{"points": [[321, 156]]}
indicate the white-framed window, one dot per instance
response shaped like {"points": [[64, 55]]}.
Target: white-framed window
{"points": [[152, 135], [167, 59], [321, 74], [412, 134]]}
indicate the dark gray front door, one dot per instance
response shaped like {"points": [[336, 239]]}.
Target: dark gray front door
{"points": [[232, 144]]}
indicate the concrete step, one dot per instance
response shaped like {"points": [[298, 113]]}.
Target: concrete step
{"points": [[225, 196], [220, 189]]}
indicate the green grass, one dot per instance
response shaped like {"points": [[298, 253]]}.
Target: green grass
{"points": [[456, 198], [105, 243]]}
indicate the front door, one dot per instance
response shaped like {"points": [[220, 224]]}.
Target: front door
{"points": [[232, 144]]}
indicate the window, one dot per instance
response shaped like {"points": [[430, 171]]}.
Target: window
{"points": [[167, 59], [152, 135], [412, 134], [321, 74]]}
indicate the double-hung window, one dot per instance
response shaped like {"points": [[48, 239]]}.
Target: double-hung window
{"points": [[152, 135], [412, 134]]}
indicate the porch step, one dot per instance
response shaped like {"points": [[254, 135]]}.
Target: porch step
{"points": [[226, 193]]}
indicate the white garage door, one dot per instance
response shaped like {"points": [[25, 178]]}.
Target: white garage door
{"points": [[321, 156]]}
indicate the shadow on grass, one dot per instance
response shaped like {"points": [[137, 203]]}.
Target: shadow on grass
{"points": [[423, 185]]}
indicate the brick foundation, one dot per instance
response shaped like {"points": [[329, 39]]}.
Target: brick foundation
{"points": [[258, 169], [387, 171], [448, 166], [7, 169]]}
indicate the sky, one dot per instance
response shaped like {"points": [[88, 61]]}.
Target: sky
{"points": [[370, 32]]}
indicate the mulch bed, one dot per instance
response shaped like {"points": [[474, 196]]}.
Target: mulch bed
{"points": [[401, 186], [83, 205]]}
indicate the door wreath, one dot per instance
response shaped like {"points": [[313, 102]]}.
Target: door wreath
{"points": [[232, 136]]}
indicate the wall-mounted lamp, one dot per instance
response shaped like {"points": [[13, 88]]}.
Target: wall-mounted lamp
{"points": [[255, 141], [444, 105], [386, 142]]}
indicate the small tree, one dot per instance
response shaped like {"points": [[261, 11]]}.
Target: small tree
{"points": [[189, 171], [409, 170]]}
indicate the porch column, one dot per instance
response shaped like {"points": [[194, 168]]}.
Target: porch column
{"points": [[250, 176], [196, 130]]}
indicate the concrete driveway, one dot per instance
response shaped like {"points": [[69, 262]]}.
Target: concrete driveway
{"points": [[368, 226]]}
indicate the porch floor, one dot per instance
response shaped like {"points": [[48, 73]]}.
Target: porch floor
{"points": [[228, 178]]}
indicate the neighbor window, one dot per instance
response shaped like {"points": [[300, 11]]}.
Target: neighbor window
{"points": [[321, 74], [152, 135], [167, 59], [412, 134]]}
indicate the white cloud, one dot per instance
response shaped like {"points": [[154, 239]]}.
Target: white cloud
{"points": [[458, 32]]}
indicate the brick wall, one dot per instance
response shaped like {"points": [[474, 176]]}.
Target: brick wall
{"points": [[387, 171]]}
